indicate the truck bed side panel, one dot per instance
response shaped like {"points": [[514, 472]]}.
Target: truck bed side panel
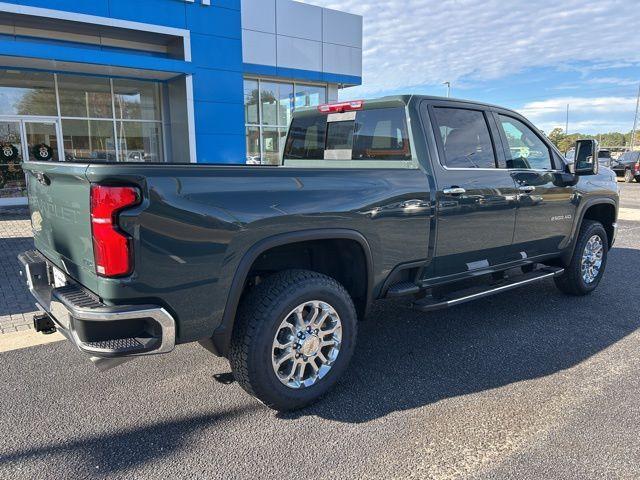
{"points": [[197, 222]]}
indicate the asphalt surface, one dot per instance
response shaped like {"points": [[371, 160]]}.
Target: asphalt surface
{"points": [[528, 384]]}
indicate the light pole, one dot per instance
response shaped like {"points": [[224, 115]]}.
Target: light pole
{"points": [[448, 84], [566, 130], [635, 123]]}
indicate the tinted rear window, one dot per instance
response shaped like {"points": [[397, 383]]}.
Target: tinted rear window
{"points": [[376, 134]]}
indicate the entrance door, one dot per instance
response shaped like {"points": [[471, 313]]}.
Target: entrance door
{"points": [[41, 139], [12, 183]]}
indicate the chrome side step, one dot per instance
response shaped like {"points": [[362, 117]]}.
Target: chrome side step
{"points": [[463, 296]]}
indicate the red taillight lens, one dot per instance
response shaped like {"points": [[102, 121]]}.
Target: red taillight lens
{"points": [[638, 167], [342, 107], [111, 249]]}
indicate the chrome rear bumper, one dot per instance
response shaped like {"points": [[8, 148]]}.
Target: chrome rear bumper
{"points": [[100, 331]]}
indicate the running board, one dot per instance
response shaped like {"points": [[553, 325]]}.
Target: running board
{"points": [[475, 293]]}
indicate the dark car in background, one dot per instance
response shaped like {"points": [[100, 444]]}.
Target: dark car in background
{"points": [[628, 166]]}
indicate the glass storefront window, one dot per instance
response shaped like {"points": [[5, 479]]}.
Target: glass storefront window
{"points": [[42, 141], [310, 96], [27, 93], [88, 140], [268, 107], [251, 100], [45, 116], [136, 100], [272, 143], [12, 183], [253, 145], [85, 96], [140, 141], [277, 103]]}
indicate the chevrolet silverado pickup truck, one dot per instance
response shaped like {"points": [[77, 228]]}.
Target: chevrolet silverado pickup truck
{"points": [[440, 201]]}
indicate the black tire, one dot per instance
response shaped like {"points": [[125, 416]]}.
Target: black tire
{"points": [[638, 179], [259, 318], [628, 176], [571, 281]]}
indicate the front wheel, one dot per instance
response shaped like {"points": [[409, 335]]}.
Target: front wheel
{"points": [[583, 274], [294, 337]]}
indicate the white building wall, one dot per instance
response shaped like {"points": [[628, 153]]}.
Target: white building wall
{"points": [[288, 34]]}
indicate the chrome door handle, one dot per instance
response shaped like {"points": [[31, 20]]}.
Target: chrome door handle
{"points": [[454, 191], [413, 204], [527, 188]]}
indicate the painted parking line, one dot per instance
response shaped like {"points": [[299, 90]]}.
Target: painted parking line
{"points": [[26, 339]]}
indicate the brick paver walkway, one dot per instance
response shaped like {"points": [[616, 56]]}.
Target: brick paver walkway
{"points": [[16, 303]]}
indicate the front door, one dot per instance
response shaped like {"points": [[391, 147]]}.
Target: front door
{"points": [[546, 205], [476, 200]]}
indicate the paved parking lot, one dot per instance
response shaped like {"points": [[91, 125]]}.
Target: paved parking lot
{"points": [[529, 384], [16, 305]]}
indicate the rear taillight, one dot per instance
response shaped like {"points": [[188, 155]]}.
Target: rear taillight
{"points": [[111, 247], [638, 167], [341, 107]]}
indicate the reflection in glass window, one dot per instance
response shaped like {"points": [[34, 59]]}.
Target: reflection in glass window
{"points": [[27, 93], [526, 149], [140, 142], [136, 100], [88, 140], [307, 138], [268, 107], [12, 183], [251, 100], [42, 141], [253, 145], [277, 103], [87, 97], [272, 143], [310, 96]]}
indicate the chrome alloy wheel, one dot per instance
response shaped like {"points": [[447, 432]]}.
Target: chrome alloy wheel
{"points": [[306, 344], [592, 259]]}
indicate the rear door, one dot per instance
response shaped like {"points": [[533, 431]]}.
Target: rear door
{"points": [[546, 206], [59, 204], [476, 200]]}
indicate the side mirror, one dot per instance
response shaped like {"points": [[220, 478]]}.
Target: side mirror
{"points": [[586, 157]]}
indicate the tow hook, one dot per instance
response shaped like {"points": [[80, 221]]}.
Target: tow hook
{"points": [[42, 323]]}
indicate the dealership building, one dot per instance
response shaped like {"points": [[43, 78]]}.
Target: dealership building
{"points": [[201, 81]]}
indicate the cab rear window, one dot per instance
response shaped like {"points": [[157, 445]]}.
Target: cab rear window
{"points": [[366, 135]]}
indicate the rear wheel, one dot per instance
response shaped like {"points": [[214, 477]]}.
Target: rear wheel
{"points": [[628, 176], [583, 274], [293, 338]]}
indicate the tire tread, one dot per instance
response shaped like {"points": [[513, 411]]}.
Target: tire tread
{"points": [[255, 310]]}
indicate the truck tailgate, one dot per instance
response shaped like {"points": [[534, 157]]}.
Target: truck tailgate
{"points": [[59, 203]]}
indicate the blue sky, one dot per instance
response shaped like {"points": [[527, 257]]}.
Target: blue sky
{"points": [[534, 56]]}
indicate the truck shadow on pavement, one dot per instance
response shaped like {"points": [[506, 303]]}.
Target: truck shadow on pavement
{"points": [[109, 454], [407, 359]]}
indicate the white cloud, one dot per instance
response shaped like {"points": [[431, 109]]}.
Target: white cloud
{"points": [[427, 42], [586, 115]]}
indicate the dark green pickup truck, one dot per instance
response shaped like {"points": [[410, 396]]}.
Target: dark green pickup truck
{"points": [[438, 200]]}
